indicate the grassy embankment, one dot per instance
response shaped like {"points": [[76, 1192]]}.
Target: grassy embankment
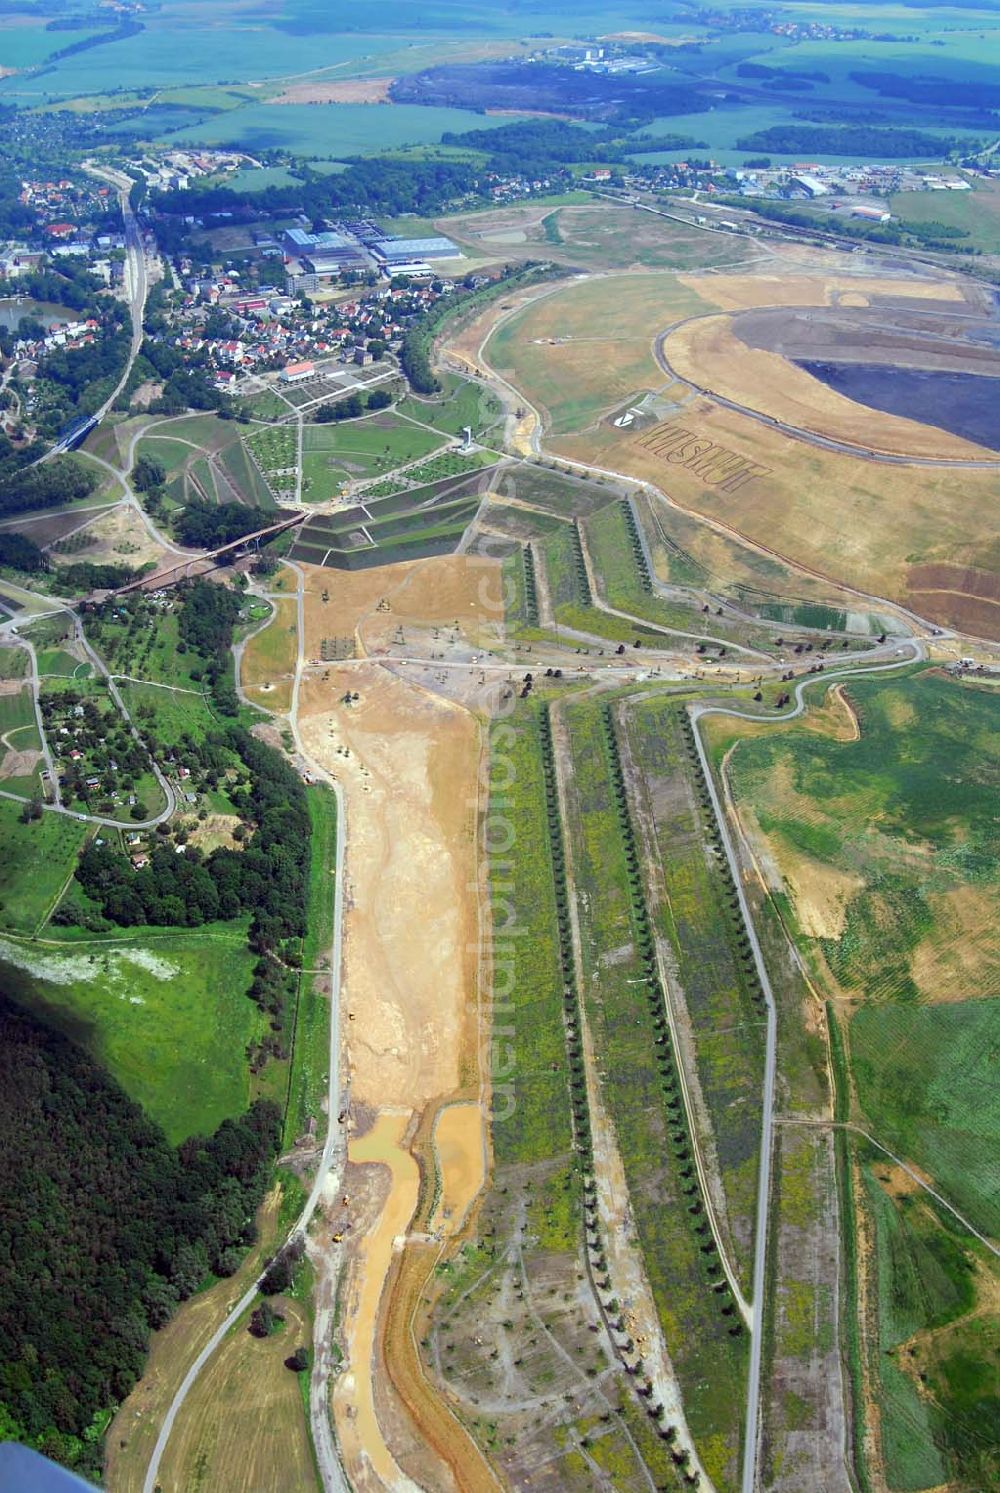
{"points": [[334, 455], [524, 1273], [714, 971], [684, 1272]]}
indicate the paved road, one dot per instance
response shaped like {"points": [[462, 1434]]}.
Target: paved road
{"points": [[58, 807], [798, 432], [331, 1157], [913, 650]]}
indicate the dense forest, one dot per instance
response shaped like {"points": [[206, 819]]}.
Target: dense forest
{"points": [[534, 147], [634, 99], [61, 480], [104, 1228], [930, 92], [208, 525], [870, 141]]}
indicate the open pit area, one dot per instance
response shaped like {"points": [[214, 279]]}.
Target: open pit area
{"points": [[735, 429]]}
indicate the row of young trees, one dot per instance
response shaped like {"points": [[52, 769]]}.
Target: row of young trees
{"points": [[580, 1109]]}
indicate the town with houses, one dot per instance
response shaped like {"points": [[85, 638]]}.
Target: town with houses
{"points": [[297, 291]]}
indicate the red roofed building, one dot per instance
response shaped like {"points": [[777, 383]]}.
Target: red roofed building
{"points": [[296, 371]]}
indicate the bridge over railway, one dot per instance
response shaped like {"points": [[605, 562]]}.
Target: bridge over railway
{"points": [[210, 558]]}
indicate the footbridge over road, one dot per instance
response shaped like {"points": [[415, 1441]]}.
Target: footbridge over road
{"points": [[198, 562]]}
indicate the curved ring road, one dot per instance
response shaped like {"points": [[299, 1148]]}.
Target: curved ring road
{"points": [[798, 432]]}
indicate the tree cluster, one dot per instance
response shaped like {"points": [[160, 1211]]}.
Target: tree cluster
{"points": [[268, 879], [870, 141], [537, 147], [61, 480], [209, 525], [369, 186], [104, 1228], [353, 406]]}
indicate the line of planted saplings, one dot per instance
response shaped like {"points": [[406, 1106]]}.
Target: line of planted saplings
{"points": [[530, 585], [580, 567], [678, 1121], [638, 553], [597, 1259], [736, 927]]}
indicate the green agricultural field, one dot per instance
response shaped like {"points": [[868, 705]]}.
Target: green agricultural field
{"points": [[815, 615], [891, 877], [886, 843], [167, 1012], [709, 1360], [169, 714], [56, 661], [16, 711], [975, 213], [13, 663], [36, 862], [927, 1274], [924, 1084]]}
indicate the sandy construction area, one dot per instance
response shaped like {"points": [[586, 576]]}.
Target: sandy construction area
{"points": [[709, 355], [411, 784], [459, 1145], [370, 606], [409, 760]]}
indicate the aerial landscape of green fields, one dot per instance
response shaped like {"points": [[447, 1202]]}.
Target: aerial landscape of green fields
{"points": [[499, 747]]}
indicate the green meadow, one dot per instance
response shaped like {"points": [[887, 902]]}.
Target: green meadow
{"points": [[166, 1011]]}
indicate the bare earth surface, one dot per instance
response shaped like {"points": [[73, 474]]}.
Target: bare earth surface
{"points": [[408, 758]]}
